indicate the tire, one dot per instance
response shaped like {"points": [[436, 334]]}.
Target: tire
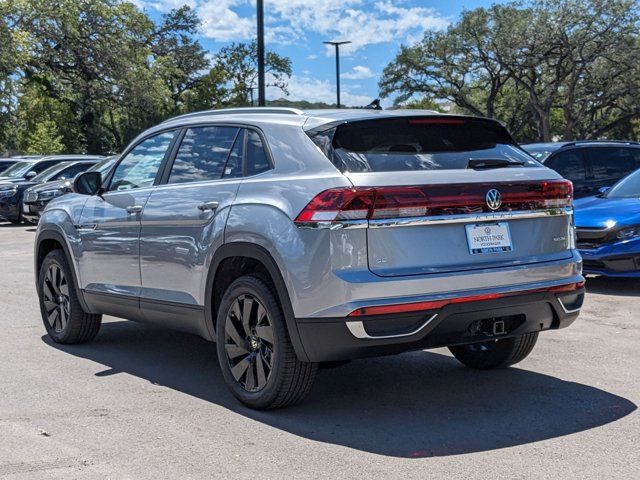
{"points": [[15, 221], [63, 317], [258, 362], [495, 354]]}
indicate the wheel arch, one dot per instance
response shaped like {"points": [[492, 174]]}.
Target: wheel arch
{"points": [[49, 240], [260, 258]]}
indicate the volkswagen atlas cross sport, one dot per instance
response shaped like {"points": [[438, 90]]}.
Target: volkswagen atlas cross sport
{"points": [[294, 239]]}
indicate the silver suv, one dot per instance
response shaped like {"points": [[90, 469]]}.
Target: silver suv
{"points": [[294, 239]]}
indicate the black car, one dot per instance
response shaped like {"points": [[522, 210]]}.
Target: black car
{"points": [[6, 163], [12, 192], [590, 165], [36, 198]]}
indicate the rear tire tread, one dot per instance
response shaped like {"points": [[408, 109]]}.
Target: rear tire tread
{"points": [[297, 377]]}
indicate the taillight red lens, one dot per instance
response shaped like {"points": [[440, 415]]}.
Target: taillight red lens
{"points": [[365, 203], [339, 204]]}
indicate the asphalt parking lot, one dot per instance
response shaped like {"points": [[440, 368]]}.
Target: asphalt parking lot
{"points": [[141, 402]]}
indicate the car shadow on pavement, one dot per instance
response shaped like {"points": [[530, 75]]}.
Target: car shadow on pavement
{"points": [[414, 405], [628, 287]]}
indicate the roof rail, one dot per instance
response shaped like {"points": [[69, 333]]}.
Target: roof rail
{"points": [[580, 142], [236, 111]]}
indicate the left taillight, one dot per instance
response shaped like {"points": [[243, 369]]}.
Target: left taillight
{"points": [[338, 204]]}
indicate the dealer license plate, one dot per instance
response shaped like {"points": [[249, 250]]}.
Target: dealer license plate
{"points": [[489, 238]]}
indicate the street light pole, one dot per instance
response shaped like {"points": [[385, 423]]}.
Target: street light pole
{"points": [[337, 45], [261, 92]]}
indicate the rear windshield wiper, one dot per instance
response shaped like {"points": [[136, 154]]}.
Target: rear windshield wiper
{"points": [[479, 163]]}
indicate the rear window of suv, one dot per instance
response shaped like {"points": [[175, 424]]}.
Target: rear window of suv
{"points": [[417, 143]]}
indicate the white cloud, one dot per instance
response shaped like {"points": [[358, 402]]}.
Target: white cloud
{"points": [[357, 73], [222, 23], [314, 90], [364, 22]]}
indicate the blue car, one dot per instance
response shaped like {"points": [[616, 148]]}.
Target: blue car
{"points": [[608, 229]]}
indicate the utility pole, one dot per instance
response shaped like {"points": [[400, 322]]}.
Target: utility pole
{"points": [[261, 91], [337, 45]]}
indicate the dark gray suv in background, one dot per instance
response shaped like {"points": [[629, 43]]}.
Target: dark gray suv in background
{"points": [[294, 238]]}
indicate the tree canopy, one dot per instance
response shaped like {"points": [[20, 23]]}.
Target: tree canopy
{"points": [[546, 68], [89, 75]]}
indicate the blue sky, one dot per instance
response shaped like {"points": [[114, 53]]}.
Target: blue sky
{"points": [[296, 28]]}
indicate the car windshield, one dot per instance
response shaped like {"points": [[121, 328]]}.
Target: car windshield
{"points": [[417, 143], [627, 187], [540, 155], [51, 172], [17, 170]]}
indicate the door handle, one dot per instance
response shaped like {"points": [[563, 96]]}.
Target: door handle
{"points": [[133, 209], [208, 206]]}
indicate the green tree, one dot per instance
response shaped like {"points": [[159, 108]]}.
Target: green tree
{"points": [[44, 139], [179, 60], [80, 51], [239, 63], [523, 62]]}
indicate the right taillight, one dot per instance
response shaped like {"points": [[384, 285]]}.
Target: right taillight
{"points": [[379, 203]]}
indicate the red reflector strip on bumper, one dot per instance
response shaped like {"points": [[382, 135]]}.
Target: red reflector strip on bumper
{"points": [[438, 304]]}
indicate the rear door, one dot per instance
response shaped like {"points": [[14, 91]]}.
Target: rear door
{"points": [[434, 212], [184, 219]]}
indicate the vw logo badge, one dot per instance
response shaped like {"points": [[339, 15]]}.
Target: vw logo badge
{"points": [[493, 198]]}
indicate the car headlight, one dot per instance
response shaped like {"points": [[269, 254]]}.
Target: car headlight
{"points": [[49, 194], [8, 192], [628, 233]]}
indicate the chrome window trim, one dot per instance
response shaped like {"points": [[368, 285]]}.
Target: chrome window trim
{"points": [[439, 220]]}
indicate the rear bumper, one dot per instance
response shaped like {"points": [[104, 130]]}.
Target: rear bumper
{"points": [[344, 338], [621, 259]]}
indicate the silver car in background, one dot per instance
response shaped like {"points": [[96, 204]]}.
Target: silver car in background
{"points": [[296, 238]]}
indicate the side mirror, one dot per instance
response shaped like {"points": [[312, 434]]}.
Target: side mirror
{"points": [[603, 190], [29, 175], [88, 183]]}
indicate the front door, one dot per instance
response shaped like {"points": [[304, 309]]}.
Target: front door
{"points": [[110, 223]]}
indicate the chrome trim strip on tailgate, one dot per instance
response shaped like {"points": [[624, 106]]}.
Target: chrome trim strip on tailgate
{"points": [[470, 218], [439, 219]]}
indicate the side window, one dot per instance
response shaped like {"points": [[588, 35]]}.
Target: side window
{"points": [[257, 160], [569, 164], [233, 169], [72, 171], [42, 166], [203, 154], [140, 167], [610, 163]]}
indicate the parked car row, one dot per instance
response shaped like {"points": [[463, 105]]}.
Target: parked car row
{"points": [[27, 172], [606, 180]]}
